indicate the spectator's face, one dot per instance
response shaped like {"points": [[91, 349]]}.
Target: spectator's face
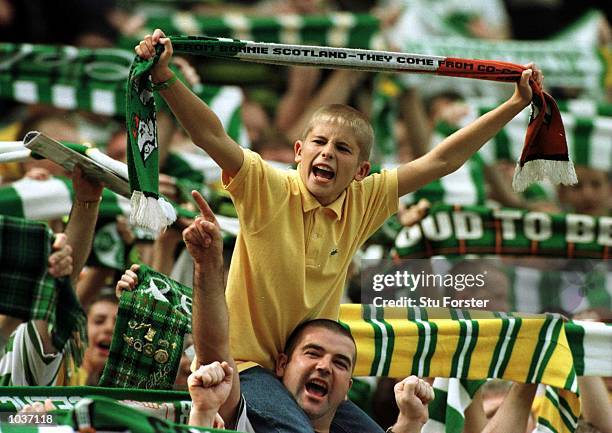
{"points": [[318, 374], [590, 196], [329, 160], [101, 320]]}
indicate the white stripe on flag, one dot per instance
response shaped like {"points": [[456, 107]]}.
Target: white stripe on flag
{"points": [[597, 349], [426, 343], [582, 107], [64, 96], [506, 341], [228, 224], [459, 187], [600, 144], [43, 199], [25, 91], [338, 34], [458, 397], [186, 23], [384, 341], [547, 343], [542, 429], [466, 342], [526, 283], [291, 24], [225, 104], [103, 102], [240, 25]]}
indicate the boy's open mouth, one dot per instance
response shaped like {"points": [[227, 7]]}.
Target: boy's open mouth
{"points": [[323, 172], [104, 346]]}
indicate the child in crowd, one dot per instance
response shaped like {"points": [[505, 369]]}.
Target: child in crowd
{"points": [[300, 229]]}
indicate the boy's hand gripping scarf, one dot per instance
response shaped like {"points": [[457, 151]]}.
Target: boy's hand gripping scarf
{"points": [[544, 155]]}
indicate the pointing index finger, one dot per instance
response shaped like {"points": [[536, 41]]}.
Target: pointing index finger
{"points": [[203, 205]]}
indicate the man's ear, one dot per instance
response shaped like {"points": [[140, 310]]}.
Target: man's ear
{"points": [[363, 170], [297, 150], [281, 364]]}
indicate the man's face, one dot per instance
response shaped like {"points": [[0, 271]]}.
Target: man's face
{"points": [[318, 374], [590, 196], [329, 160]]}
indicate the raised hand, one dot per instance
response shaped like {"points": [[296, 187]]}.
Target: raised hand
{"points": [[60, 261], [203, 236], [209, 387], [128, 281], [146, 50], [523, 92], [85, 189], [412, 396]]}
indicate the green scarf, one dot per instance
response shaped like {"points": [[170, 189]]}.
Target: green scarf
{"points": [[459, 230], [148, 338], [103, 414], [333, 29], [173, 406], [30, 293]]}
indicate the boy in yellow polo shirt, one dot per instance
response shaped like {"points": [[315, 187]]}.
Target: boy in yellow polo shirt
{"points": [[300, 229]]}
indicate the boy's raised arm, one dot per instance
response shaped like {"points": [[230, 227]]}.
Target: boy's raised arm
{"points": [[200, 122], [456, 149]]}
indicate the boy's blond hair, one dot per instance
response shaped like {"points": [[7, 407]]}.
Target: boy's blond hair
{"points": [[346, 116]]}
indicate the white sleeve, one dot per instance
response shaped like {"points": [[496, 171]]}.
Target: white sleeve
{"points": [[242, 423], [27, 363]]}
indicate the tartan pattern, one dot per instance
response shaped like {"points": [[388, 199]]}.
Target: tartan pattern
{"points": [[148, 338], [412, 242], [29, 293]]}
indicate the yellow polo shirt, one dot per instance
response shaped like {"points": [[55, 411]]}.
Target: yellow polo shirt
{"points": [[292, 254]]}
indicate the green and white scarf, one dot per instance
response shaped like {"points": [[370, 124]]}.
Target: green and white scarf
{"points": [[30, 293], [588, 128], [591, 351], [476, 345], [173, 406], [576, 64], [337, 29], [148, 338], [103, 414], [459, 230], [92, 80], [533, 290]]}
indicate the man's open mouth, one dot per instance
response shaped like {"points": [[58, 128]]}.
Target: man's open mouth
{"points": [[317, 387]]}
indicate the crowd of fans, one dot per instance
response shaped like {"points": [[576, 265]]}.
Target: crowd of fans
{"points": [[278, 103]]}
